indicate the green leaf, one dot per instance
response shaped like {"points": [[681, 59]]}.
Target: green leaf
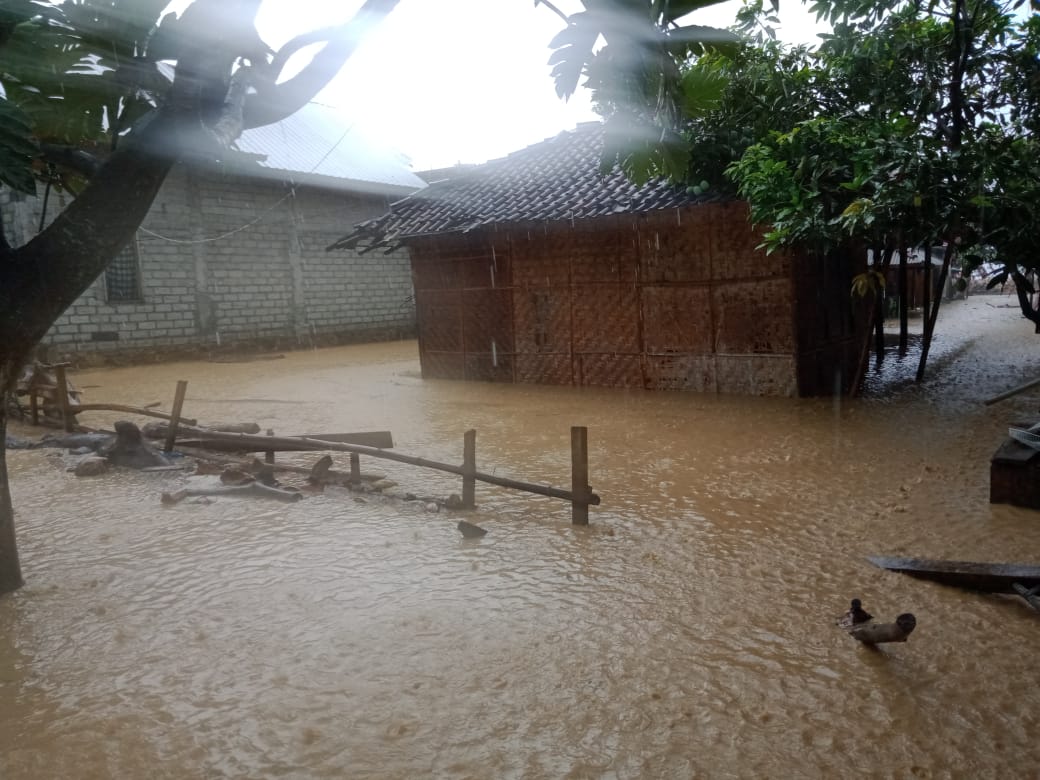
{"points": [[702, 87], [17, 148]]}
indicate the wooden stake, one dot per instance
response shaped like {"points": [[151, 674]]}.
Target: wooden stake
{"points": [[355, 467], [175, 414], [269, 455], [68, 421], [469, 468], [580, 475]]}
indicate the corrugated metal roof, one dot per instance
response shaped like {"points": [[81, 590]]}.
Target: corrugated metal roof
{"points": [[557, 179], [316, 145]]}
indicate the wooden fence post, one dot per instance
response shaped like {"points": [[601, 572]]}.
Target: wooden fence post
{"points": [[175, 413], [355, 468], [269, 455], [580, 475], [67, 420], [469, 469]]}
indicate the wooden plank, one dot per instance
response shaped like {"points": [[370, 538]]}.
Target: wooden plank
{"points": [[130, 410], [975, 575], [383, 440], [377, 439]]}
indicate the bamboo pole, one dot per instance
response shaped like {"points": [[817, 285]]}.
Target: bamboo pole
{"points": [[175, 413], [131, 410], [580, 475], [328, 446], [68, 420], [1012, 392], [469, 468]]}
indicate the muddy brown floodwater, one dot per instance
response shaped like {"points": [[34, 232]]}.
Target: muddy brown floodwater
{"points": [[688, 631]]}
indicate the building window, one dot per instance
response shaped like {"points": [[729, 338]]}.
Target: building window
{"points": [[123, 276]]}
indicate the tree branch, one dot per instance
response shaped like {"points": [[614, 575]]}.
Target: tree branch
{"points": [[284, 54], [274, 102], [70, 157], [1026, 305], [553, 8]]}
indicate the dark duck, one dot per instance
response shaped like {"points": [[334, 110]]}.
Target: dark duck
{"points": [[855, 615]]}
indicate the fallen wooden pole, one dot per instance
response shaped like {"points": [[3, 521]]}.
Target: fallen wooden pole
{"points": [[327, 446], [878, 633], [1012, 392], [130, 410], [175, 414], [252, 489]]}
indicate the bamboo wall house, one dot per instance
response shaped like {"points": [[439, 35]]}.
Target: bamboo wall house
{"points": [[538, 268]]}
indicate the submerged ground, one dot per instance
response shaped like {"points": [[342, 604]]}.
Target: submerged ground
{"points": [[689, 631]]}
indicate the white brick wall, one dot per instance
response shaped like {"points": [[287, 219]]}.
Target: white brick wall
{"points": [[271, 278]]}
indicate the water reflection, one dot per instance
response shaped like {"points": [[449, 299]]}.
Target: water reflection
{"points": [[688, 631]]}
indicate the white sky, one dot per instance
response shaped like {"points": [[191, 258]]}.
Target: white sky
{"points": [[448, 81]]}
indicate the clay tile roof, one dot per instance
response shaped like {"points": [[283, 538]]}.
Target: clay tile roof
{"points": [[557, 179]]}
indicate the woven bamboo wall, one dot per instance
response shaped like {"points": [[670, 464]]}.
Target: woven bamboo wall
{"points": [[677, 300]]}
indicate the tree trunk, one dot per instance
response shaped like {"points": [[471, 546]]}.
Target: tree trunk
{"points": [[10, 568], [1023, 291], [904, 303], [932, 315], [41, 279]]}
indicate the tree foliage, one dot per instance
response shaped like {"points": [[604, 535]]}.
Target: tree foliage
{"points": [[636, 58], [908, 124]]}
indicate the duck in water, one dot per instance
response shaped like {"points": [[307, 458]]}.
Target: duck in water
{"points": [[855, 615]]}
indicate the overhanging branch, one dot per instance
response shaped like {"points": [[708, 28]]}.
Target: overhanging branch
{"points": [[70, 157], [274, 102]]}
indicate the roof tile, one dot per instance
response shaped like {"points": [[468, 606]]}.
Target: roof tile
{"points": [[557, 179]]}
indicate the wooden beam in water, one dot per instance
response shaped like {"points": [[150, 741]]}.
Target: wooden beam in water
{"points": [[377, 439], [130, 410], [974, 575]]}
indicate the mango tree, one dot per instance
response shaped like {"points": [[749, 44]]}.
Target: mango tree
{"points": [[86, 106]]}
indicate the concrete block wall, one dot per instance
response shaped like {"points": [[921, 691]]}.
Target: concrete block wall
{"points": [[227, 260]]}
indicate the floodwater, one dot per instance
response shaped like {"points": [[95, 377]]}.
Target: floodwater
{"points": [[687, 632]]}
